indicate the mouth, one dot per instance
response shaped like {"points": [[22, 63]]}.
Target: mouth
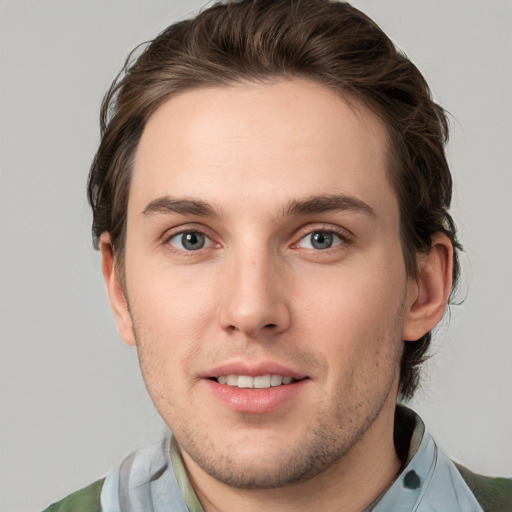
{"points": [[257, 382], [256, 389]]}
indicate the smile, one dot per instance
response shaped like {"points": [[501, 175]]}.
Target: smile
{"points": [[258, 382]]}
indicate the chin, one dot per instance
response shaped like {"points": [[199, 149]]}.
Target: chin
{"points": [[276, 467]]}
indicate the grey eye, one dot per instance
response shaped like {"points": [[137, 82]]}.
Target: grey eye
{"points": [[320, 240], [190, 241]]}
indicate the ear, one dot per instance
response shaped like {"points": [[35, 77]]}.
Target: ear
{"points": [[115, 291], [427, 295]]}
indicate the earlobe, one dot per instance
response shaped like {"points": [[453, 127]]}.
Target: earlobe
{"points": [[427, 296], [115, 291]]}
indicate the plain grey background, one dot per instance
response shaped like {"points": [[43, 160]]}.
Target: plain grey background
{"points": [[72, 401]]}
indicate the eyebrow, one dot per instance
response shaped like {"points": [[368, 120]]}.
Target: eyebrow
{"points": [[168, 204], [326, 203], [308, 205]]}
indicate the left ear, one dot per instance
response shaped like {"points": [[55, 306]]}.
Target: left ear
{"points": [[427, 295]]}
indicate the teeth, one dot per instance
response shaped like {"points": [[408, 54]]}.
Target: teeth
{"points": [[232, 380], [276, 380], [244, 381], [259, 382], [262, 381]]}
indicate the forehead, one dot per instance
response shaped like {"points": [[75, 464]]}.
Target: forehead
{"points": [[275, 141]]}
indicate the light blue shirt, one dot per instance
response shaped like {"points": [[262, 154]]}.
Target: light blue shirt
{"points": [[153, 479]]}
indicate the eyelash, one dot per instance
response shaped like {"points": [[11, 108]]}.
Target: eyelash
{"points": [[345, 237], [166, 240]]}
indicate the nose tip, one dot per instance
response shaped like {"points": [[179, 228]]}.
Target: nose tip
{"points": [[251, 326], [257, 316], [254, 302]]}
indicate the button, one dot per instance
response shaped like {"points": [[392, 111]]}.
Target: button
{"points": [[411, 480]]}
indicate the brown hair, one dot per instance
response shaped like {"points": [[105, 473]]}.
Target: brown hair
{"points": [[327, 41]]}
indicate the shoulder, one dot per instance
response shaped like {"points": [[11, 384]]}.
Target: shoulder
{"points": [[84, 500], [493, 494]]}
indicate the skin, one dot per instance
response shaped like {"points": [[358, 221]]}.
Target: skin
{"points": [[240, 165]]}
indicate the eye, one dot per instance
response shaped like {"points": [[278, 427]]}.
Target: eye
{"points": [[320, 240], [190, 241]]}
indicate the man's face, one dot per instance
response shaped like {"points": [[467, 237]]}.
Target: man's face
{"points": [[263, 250]]}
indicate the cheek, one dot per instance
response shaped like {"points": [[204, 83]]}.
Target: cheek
{"points": [[353, 309], [170, 310], [351, 291], [169, 320]]}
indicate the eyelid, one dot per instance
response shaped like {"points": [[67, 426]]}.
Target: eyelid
{"points": [[187, 228], [346, 236], [208, 241]]}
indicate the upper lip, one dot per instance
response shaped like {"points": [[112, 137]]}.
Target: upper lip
{"points": [[253, 370]]}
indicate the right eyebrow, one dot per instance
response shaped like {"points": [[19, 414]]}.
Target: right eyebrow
{"points": [[168, 204]]}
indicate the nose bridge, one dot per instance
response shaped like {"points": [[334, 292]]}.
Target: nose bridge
{"points": [[254, 300]]}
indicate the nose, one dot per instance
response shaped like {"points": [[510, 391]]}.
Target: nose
{"points": [[254, 297]]}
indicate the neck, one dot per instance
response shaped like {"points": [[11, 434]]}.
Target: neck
{"points": [[351, 484]]}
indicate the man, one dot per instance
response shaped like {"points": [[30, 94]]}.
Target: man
{"points": [[270, 200]]}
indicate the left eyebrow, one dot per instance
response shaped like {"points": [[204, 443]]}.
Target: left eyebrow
{"points": [[326, 203]]}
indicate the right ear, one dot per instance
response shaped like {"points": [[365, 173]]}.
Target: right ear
{"points": [[115, 291]]}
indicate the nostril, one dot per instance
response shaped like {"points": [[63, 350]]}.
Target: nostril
{"points": [[270, 326]]}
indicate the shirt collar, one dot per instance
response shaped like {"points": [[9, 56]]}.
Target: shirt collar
{"points": [[154, 477], [428, 480]]}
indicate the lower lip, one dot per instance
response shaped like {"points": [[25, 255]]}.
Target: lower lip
{"points": [[255, 401]]}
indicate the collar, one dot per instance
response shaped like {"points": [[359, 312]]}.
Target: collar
{"points": [[154, 479], [428, 480]]}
